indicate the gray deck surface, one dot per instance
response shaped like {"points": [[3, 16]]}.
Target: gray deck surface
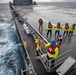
{"points": [[39, 68]]}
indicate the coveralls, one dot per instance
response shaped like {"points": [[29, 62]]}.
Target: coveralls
{"points": [[49, 29], [58, 27], [40, 24], [38, 47], [66, 28], [59, 41], [71, 29], [52, 53]]}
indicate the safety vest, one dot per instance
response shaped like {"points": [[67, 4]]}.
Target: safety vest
{"points": [[49, 26], [73, 27], [58, 25], [59, 39], [51, 50], [66, 26], [37, 44]]}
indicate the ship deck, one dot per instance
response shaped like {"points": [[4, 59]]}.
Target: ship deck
{"points": [[32, 14]]}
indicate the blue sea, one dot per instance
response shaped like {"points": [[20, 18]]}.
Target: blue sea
{"points": [[10, 49]]}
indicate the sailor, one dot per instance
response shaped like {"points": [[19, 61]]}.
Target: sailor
{"points": [[58, 27], [52, 51], [49, 29], [71, 29], [59, 40], [66, 28], [40, 24], [38, 47]]}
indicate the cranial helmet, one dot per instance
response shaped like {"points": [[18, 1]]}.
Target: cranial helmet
{"points": [[52, 42], [66, 22], [60, 35], [58, 22], [49, 22]]}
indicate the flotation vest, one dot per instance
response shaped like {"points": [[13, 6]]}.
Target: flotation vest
{"points": [[51, 49], [49, 25], [37, 44], [58, 25], [59, 38], [66, 26]]}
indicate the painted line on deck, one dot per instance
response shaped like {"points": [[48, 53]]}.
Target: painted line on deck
{"points": [[42, 18]]}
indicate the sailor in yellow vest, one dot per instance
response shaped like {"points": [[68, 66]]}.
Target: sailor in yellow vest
{"points": [[38, 47], [66, 29], [52, 51], [58, 27], [49, 29], [71, 29]]}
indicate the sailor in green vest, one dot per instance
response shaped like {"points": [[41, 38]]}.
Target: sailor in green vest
{"points": [[52, 51], [58, 27], [71, 29], [49, 29], [38, 47]]}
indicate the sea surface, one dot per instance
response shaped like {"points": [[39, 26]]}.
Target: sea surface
{"points": [[10, 48]]}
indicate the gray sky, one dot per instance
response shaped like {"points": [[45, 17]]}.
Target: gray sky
{"points": [[6, 1], [55, 0]]}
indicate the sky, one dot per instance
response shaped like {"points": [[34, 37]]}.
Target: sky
{"points": [[6, 1], [55, 0]]}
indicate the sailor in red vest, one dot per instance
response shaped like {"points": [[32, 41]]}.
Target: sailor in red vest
{"points": [[49, 29], [66, 29], [59, 40], [52, 51], [58, 27], [40, 24]]}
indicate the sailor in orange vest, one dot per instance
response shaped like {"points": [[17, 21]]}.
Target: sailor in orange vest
{"points": [[52, 51], [49, 29], [66, 29], [40, 24], [58, 27], [38, 47], [71, 29]]}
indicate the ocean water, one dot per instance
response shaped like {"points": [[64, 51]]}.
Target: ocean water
{"points": [[10, 56]]}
